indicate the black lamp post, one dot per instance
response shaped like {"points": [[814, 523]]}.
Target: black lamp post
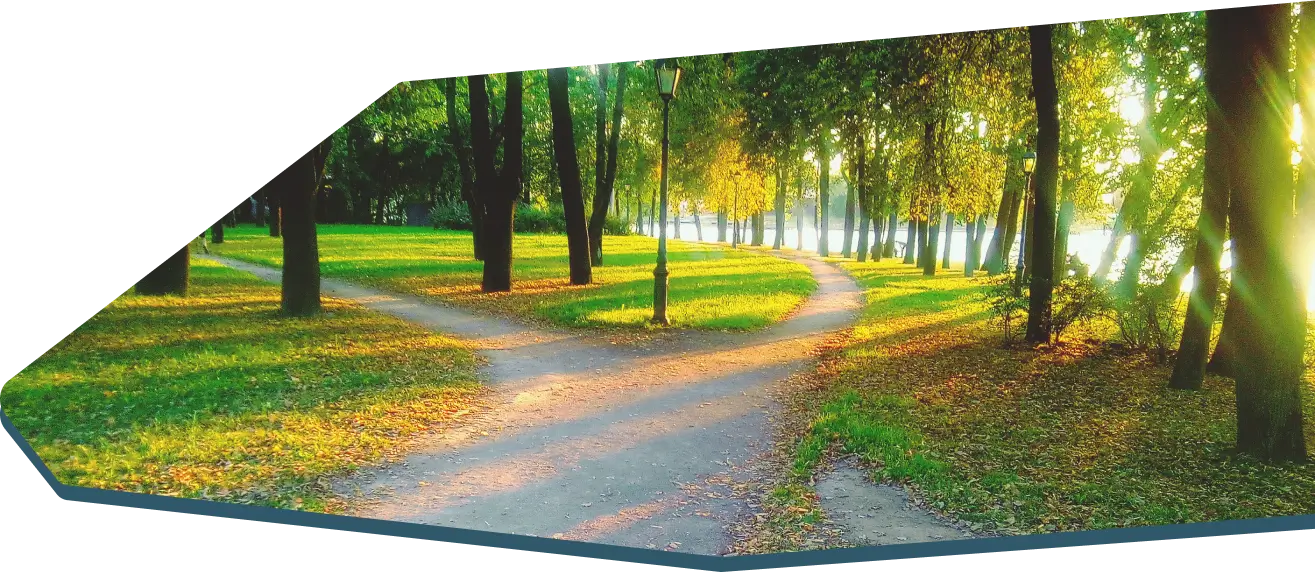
{"points": [[668, 77], [1029, 164]]}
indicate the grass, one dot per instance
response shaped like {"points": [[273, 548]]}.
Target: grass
{"points": [[213, 395], [712, 287], [1071, 436]]}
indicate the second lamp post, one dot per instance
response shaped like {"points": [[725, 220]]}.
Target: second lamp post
{"points": [[668, 76], [1029, 164]]}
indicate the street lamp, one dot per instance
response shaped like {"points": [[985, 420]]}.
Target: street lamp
{"points": [[1029, 164], [668, 78]]}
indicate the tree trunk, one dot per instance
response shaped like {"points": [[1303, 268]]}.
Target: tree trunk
{"points": [[759, 228], [568, 172], [949, 236], [799, 218], [778, 233], [910, 241], [500, 201], [217, 232], [1042, 225], [298, 185], [996, 251], [721, 224], [1272, 330], [1064, 224], [921, 253], [1305, 253], [170, 277], [823, 190], [929, 249], [262, 203], [892, 221], [275, 209], [847, 244], [463, 164], [675, 222], [970, 247], [481, 145], [860, 192], [606, 184], [698, 225]]}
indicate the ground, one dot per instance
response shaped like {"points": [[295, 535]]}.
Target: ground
{"points": [[1075, 435], [712, 287]]}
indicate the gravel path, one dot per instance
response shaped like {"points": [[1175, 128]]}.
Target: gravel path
{"points": [[629, 444]]}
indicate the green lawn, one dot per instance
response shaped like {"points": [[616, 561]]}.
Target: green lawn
{"points": [[1079, 435], [213, 395], [712, 287]]}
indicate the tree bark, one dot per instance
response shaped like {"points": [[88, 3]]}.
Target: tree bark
{"points": [[170, 277], [463, 164], [847, 244], [892, 221], [1270, 344], [568, 172], [910, 241], [721, 224], [298, 185], [1002, 237], [272, 196], [929, 248], [778, 234], [862, 201], [1064, 223], [606, 190], [823, 190], [1042, 226], [481, 145], [970, 247], [949, 235], [500, 202], [217, 232]]}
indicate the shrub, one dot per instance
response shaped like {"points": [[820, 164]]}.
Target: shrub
{"points": [[1077, 298], [1147, 321], [616, 226], [450, 215], [531, 218], [1007, 305]]}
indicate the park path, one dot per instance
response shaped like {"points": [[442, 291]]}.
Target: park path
{"points": [[629, 444]]}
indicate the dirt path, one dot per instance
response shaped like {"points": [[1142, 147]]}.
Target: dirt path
{"points": [[634, 445]]}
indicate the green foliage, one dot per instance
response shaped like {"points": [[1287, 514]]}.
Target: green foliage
{"points": [[1077, 299], [616, 226], [1007, 305], [1150, 321], [450, 215], [549, 220]]}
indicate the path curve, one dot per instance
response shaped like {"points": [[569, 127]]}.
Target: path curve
{"points": [[636, 444]]}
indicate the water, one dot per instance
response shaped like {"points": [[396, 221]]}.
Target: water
{"points": [[1087, 244]]}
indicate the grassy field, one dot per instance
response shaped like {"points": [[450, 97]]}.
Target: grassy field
{"points": [[213, 395], [712, 287], [1078, 435]]}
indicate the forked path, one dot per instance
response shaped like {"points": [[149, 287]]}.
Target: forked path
{"points": [[629, 444]]}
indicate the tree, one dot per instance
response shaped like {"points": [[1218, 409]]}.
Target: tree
{"points": [[217, 232], [1193, 348], [170, 277], [463, 164], [500, 201], [297, 187], [1272, 327], [568, 173], [607, 159], [1047, 174]]}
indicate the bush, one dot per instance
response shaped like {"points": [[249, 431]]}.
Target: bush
{"points": [[531, 218], [450, 215], [1148, 321], [616, 226], [1007, 305], [1077, 298]]}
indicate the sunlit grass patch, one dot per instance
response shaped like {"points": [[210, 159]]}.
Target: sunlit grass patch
{"points": [[711, 287], [214, 395], [1078, 435]]}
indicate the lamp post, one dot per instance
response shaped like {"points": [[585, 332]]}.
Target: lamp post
{"points": [[668, 77], [1029, 164]]}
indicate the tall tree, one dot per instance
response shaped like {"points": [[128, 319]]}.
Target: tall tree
{"points": [[170, 277], [1193, 348], [568, 173], [297, 187], [606, 183], [463, 163], [1269, 349], [500, 201], [1042, 225]]}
